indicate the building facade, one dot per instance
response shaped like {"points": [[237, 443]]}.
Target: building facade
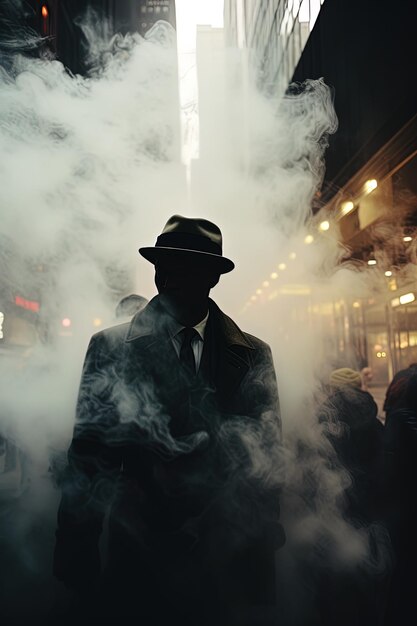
{"points": [[365, 52], [58, 23]]}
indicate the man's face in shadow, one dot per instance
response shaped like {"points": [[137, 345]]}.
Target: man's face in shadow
{"points": [[184, 282]]}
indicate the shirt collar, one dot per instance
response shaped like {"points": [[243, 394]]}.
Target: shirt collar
{"points": [[175, 327]]}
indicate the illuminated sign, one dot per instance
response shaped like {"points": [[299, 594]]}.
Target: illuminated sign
{"points": [[30, 305]]}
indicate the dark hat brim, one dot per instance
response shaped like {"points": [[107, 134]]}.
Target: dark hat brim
{"points": [[219, 263]]}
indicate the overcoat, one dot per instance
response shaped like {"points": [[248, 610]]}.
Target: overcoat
{"points": [[189, 466]]}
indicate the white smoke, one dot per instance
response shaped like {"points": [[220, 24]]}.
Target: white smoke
{"points": [[91, 171]]}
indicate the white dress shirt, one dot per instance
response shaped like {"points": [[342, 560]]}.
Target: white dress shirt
{"points": [[197, 343]]}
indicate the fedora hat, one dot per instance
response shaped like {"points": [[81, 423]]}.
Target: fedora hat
{"points": [[190, 237]]}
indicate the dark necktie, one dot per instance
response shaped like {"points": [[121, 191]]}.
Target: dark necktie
{"points": [[186, 352]]}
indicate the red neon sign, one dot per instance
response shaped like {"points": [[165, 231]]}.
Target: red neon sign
{"points": [[30, 305]]}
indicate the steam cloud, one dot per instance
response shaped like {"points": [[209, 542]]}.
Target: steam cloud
{"points": [[90, 171]]}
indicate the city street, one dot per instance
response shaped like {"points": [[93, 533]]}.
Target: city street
{"points": [[208, 266]]}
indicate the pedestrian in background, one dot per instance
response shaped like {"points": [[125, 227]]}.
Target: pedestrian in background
{"points": [[400, 447], [350, 596], [395, 392], [356, 433], [129, 305], [366, 376]]}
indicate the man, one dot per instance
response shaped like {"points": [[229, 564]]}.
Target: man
{"points": [[178, 429]]}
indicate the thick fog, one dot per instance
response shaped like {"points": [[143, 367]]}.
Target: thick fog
{"points": [[91, 171]]}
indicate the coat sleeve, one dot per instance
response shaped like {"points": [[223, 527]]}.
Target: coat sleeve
{"points": [[271, 438], [93, 464], [262, 437]]}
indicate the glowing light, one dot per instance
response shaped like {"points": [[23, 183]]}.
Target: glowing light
{"points": [[66, 322], [370, 185], [407, 238], [1, 324], [259, 291], [407, 298], [324, 225], [346, 207], [282, 266], [388, 273], [265, 283], [356, 305], [383, 354], [295, 290], [274, 275], [292, 256], [30, 305], [253, 298], [372, 262], [309, 239], [379, 354], [44, 11], [97, 322]]}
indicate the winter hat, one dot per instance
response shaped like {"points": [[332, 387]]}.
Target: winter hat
{"points": [[345, 376]]}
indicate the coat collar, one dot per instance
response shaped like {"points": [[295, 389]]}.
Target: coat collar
{"points": [[150, 323], [230, 348]]}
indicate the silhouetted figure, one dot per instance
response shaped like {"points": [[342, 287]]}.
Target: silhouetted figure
{"points": [[367, 376], [400, 443], [349, 417], [395, 392], [178, 429], [129, 305], [356, 434]]}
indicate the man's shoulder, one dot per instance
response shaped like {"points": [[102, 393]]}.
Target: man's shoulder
{"points": [[257, 343], [235, 335], [111, 335]]}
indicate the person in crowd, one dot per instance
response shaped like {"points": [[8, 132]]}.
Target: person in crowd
{"points": [[367, 376], [395, 391], [400, 447], [348, 595], [178, 430], [129, 305], [350, 415]]}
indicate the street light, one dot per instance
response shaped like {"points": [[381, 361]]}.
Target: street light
{"points": [[407, 298], [346, 207], [370, 185]]}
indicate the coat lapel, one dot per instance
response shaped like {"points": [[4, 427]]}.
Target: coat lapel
{"points": [[232, 353], [230, 349]]}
